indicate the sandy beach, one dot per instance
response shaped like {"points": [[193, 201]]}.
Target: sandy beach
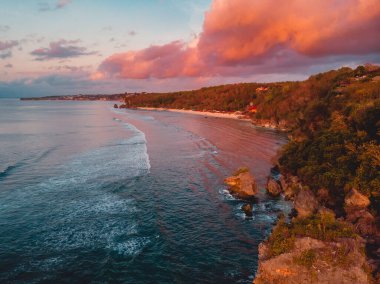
{"points": [[232, 115]]}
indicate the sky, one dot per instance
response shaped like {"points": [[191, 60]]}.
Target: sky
{"points": [[67, 47]]}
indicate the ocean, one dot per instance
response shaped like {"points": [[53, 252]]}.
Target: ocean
{"points": [[92, 194]]}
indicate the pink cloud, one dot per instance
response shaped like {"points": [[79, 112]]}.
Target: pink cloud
{"points": [[62, 3], [8, 44], [165, 61], [244, 36], [44, 7]]}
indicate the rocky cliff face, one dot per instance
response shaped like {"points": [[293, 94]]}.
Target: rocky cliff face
{"points": [[314, 261], [315, 246]]}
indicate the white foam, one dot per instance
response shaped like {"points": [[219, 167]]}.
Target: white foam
{"points": [[131, 247]]}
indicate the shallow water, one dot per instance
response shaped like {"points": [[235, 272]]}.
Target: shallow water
{"points": [[93, 194]]}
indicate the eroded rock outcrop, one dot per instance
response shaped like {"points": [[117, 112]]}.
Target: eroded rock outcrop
{"points": [[356, 201], [242, 185], [314, 261], [305, 203], [273, 187], [355, 205]]}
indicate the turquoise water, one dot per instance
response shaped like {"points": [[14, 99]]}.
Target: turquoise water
{"points": [[93, 194]]}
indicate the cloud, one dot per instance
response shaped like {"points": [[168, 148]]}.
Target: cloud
{"points": [[132, 33], [4, 28], [8, 65], [70, 68], [61, 49], [44, 6], [155, 61], [107, 28], [6, 48], [62, 3], [72, 83], [242, 37], [8, 44]]}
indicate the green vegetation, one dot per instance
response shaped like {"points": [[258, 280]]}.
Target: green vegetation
{"points": [[333, 118], [334, 256], [319, 226], [307, 258], [322, 227], [281, 240]]}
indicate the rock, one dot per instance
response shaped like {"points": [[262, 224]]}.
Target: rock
{"points": [[323, 195], [363, 221], [247, 209], [115, 106], [314, 261], [290, 186], [291, 191], [283, 182], [242, 185], [305, 203], [273, 187], [355, 200], [263, 251]]}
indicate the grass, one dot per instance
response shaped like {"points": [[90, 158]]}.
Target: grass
{"points": [[281, 240], [319, 226], [322, 227], [306, 258]]}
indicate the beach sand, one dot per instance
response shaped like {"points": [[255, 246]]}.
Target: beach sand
{"points": [[231, 115]]}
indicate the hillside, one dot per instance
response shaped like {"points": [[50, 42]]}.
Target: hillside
{"points": [[333, 154]]}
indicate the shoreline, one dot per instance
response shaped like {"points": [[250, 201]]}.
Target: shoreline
{"points": [[262, 123], [232, 115]]}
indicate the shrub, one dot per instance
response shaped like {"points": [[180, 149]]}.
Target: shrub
{"points": [[241, 170], [306, 258], [281, 240]]}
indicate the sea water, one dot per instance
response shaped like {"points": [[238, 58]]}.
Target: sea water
{"points": [[89, 193]]}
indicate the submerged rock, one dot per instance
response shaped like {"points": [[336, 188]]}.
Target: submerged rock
{"points": [[305, 203], [273, 187], [247, 209], [242, 185]]}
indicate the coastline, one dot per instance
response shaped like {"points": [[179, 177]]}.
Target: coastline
{"points": [[232, 115], [262, 123]]}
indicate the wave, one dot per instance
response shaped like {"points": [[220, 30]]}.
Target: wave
{"points": [[34, 158], [8, 170]]}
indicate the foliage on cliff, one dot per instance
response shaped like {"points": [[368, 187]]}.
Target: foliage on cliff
{"points": [[321, 226], [338, 140], [333, 116]]}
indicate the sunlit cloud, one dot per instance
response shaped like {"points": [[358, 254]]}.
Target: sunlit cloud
{"points": [[241, 37]]}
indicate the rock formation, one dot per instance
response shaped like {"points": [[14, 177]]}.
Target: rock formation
{"points": [[355, 200], [314, 261], [247, 209], [273, 187], [305, 203], [242, 184]]}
